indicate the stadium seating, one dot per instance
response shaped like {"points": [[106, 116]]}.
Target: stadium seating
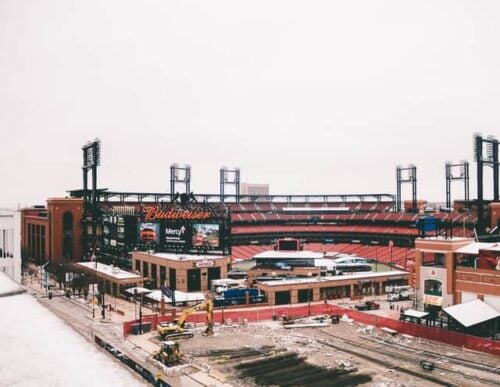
{"points": [[366, 221], [399, 256]]}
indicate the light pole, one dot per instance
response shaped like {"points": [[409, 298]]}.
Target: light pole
{"points": [[309, 302], [103, 299], [135, 303], [140, 314], [309, 274], [391, 243]]}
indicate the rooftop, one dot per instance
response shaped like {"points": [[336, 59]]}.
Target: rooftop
{"points": [[472, 312], [473, 248], [415, 313], [443, 239], [49, 352], [289, 254], [357, 276], [110, 270], [185, 257]]}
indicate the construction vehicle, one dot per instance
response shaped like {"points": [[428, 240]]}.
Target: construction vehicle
{"points": [[238, 296], [427, 365], [169, 353], [175, 329], [398, 295]]}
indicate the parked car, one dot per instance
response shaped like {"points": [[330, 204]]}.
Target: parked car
{"points": [[367, 305]]}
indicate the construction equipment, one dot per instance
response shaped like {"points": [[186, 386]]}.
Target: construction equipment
{"points": [[169, 353], [427, 365], [176, 329]]}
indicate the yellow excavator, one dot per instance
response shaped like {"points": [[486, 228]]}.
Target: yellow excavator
{"points": [[175, 329]]}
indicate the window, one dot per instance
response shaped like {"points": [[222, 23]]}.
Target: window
{"points": [[68, 235], [433, 287], [433, 259], [439, 259]]}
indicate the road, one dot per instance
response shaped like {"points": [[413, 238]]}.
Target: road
{"points": [[78, 315]]}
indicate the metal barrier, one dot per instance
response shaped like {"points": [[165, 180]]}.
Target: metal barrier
{"points": [[276, 312]]}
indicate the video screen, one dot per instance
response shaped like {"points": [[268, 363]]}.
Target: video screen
{"points": [[288, 245], [149, 232], [176, 233], [205, 235]]}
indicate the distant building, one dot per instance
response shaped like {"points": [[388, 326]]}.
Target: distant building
{"points": [[254, 189], [10, 244], [456, 270], [184, 272], [53, 233]]}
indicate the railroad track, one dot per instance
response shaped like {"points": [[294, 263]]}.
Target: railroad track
{"points": [[438, 356], [385, 350]]}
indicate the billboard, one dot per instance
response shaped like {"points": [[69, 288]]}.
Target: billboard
{"points": [[149, 232], [205, 235], [175, 233]]}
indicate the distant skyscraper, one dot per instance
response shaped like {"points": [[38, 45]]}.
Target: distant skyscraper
{"points": [[254, 189]]}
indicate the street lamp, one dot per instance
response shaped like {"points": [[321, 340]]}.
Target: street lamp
{"points": [[309, 275], [391, 243]]}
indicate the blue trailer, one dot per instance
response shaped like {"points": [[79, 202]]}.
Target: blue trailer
{"points": [[238, 297]]}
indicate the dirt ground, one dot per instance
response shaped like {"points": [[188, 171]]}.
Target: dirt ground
{"points": [[347, 353]]}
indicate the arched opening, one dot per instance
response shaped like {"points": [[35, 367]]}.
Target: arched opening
{"points": [[68, 235], [433, 287]]}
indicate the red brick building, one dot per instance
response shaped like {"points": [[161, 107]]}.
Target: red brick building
{"points": [[54, 232]]}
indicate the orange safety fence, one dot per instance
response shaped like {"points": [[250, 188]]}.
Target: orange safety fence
{"points": [[276, 312]]}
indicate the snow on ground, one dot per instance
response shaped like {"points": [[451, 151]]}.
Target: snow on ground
{"points": [[38, 349], [7, 285]]}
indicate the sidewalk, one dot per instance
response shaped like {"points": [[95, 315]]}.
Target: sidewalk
{"points": [[121, 310], [110, 331]]}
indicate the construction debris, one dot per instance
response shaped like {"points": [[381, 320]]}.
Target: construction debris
{"points": [[307, 325]]}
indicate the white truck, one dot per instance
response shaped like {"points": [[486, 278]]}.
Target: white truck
{"points": [[398, 293]]}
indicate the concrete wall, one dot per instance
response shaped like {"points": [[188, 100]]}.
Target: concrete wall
{"points": [[181, 268], [10, 244], [495, 214]]}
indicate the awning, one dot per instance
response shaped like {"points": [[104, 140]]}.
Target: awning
{"points": [[415, 313], [137, 290], [179, 296], [433, 300], [474, 247], [471, 313]]}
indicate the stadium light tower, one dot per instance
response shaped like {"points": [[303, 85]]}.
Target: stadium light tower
{"points": [[489, 159], [180, 175], [91, 160], [229, 177], [459, 171], [411, 177]]}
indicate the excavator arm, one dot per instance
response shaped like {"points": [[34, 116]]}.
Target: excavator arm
{"points": [[208, 305], [176, 329]]}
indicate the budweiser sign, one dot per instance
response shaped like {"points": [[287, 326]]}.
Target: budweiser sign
{"points": [[155, 213]]}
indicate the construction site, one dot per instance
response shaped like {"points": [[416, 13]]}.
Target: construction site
{"points": [[322, 343], [320, 350]]}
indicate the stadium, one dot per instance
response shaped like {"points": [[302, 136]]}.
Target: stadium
{"points": [[220, 230]]}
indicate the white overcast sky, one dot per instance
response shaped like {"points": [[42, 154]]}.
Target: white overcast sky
{"points": [[308, 96]]}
